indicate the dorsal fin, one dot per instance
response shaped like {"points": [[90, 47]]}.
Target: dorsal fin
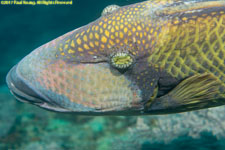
{"points": [[189, 6]]}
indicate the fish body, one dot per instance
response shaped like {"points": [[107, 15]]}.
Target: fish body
{"points": [[153, 57]]}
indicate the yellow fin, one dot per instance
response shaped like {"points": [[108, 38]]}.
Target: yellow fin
{"points": [[196, 89], [196, 92]]}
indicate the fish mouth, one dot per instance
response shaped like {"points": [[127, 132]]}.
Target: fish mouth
{"points": [[20, 89], [27, 94]]}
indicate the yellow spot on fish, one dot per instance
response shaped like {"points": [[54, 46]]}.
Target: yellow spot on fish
{"points": [[91, 52], [125, 30], [70, 51], [141, 35], [111, 42], [107, 33], [151, 30], [60, 49], [139, 28], [109, 46], [143, 41], [134, 29], [121, 26], [62, 53], [116, 34], [109, 27], [67, 41], [134, 39], [126, 41], [86, 47], [88, 30], [118, 18], [129, 33], [104, 39], [72, 44], [104, 25], [96, 43], [97, 36], [112, 37], [80, 49], [91, 35], [129, 26], [91, 44], [147, 46], [184, 18], [77, 35], [66, 46], [100, 23], [117, 27], [85, 38], [93, 27], [82, 33], [145, 34], [102, 46], [112, 30], [78, 41], [96, 28], [101, 30], [176, 22], [121, 35]]}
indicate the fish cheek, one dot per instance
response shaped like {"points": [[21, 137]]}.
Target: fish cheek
{"points": [[89, 87], [146, 78]]}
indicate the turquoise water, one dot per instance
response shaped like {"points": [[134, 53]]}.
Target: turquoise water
{"points": [[26, 127]]}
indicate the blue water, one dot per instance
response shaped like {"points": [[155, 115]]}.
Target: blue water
{"points": [[26, 127]]}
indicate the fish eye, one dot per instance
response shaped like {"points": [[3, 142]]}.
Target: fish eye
{"points": [[121, 60]]}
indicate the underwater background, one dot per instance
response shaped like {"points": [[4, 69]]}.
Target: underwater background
{"points": [[27, 127]]}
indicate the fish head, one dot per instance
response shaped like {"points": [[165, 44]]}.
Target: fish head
{"points": [[99, 68]]}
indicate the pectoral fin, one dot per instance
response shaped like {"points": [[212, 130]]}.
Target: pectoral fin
{"points": [[196, 92]]}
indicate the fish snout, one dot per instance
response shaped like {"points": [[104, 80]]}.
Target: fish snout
{"points": [[25, 92], [20, 89]]}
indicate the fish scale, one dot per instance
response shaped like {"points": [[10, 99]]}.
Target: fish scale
{"points": [[181, 58]]}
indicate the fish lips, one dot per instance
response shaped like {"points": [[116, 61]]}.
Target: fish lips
{"points": [[20, 89]]}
